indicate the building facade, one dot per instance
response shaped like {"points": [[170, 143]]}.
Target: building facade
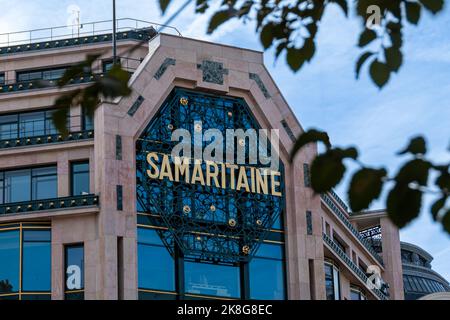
{"points": [[419, 280], [103, 213]]}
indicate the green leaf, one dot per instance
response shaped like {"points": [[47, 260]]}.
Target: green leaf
{"points": [[403, 204], [294, 58], [217, 19], [310, 136], [308, 49], [443, 181], [416, 146], [379, 73], [446, 221], [361, 61], [267, 35], [163, 4], [412, 12], [437, 206], [59, 117], [416, 170], [433, 5], [366, 186], [394, 58], [328, 169], [366, 37]]}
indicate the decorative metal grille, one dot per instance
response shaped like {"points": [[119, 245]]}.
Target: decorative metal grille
{"points": [[207, 223]]}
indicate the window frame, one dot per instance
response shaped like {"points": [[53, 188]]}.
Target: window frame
{"points": [[72, 294], [72, 180], [31, 176], [21, 228]]}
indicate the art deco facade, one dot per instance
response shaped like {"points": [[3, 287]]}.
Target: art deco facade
{"points": [[80, 218]]}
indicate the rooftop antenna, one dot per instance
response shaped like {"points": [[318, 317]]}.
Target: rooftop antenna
{"points": [[114, 34]]}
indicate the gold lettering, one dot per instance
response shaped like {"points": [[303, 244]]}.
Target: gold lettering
{"points": [[275, 183], [181, 168], [261, 182], [210, 174], [166, 170], [232, 167], [197, 174], [242, 180], [150, 156]]}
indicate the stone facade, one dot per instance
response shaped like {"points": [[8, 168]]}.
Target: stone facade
{"points": [[168, 62]]}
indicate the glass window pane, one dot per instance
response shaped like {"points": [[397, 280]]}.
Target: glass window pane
{"points": [[266, 279], [2, 182], [32, 124], [36, 261], [8, 127], [329, 283], [9, 257], [74, 256], [156, 268], [17, 186], [355, 295], [80, 178], [149, 236], [212, 280], [44, 187], [270, 251]]}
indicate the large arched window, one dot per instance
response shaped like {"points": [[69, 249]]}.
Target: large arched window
{"points": [[206, 240]]}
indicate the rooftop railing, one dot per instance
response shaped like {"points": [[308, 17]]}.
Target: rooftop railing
{"points": [[13, 85], [81, 30]]}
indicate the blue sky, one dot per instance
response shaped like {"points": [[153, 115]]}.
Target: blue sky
{"points": [[324, 94]]}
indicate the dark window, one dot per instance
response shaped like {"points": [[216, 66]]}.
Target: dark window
{"points": [[88, 120], [9, 127], [211, 280], [356, 294], [80, 178], [74, 270], [2, 78], [44, 183], [28, 124], [42, 74], [267, 273], [28, 184], [107, 65], [332, 282], [156, 268], [36, 260]]}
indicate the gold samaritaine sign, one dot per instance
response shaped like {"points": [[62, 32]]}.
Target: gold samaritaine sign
{"points": [[214, 174]]}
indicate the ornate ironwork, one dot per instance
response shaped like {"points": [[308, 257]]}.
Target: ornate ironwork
{"points": [[135, 106], [260, 84], [207, 223], [46, 139], [50, 204], [213, 72], [163, 67]]}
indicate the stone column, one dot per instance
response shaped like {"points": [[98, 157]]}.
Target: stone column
{"points": [[393, 274]]}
